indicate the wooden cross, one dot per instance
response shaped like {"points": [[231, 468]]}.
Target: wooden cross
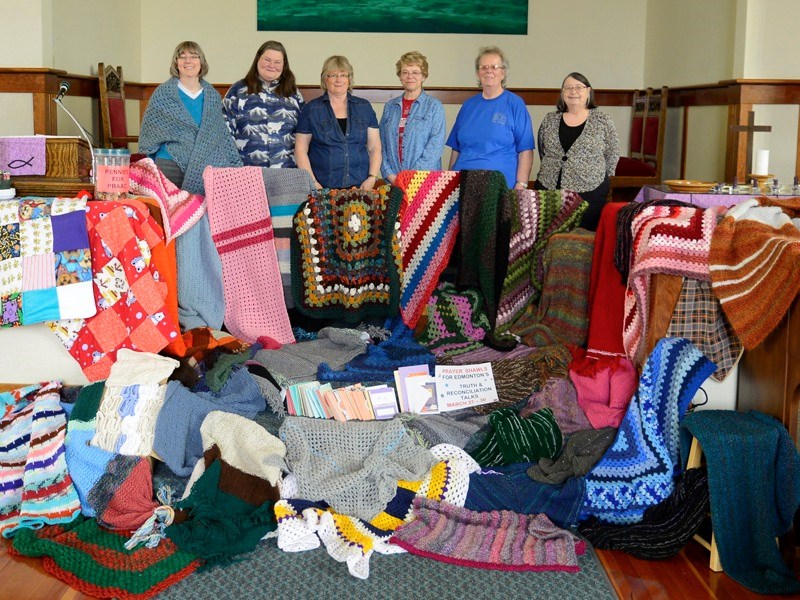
{"points": [[750, 128]]}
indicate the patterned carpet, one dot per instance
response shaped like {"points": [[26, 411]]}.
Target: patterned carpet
{"points": [[272, 573]]}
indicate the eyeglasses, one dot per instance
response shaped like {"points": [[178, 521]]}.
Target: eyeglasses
{"points": [[490, 68], [269, 61], [574, 88], [414, 74], [338, 76], [189, 57]]}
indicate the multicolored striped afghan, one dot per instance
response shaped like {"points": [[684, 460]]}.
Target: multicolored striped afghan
{"points": [[35, 487], [302, 524], [345, 254], [498, 539], [666, 239], [428, 229], [95, 561], [533, 216], [562, 315], [639, 469], [755, 266]]}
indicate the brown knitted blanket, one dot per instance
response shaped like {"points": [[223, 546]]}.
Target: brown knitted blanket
{"points": [[755, 265]]}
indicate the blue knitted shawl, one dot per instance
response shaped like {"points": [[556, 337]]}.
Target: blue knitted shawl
{"points": [[167, 122], [638, 470]]}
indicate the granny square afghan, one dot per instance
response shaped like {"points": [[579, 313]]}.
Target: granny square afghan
{"points": [[345, 254], [45, 262], [428, 229]]}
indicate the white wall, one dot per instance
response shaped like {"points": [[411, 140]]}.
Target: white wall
{"points": [[689, 42], [771, 40], [27, 33]]}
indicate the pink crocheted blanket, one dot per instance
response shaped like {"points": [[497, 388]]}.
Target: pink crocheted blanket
{"points": [[428, 229], [241, 227], [180, 210], [755, 266], [666, 239]]}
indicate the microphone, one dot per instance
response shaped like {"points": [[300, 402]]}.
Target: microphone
{"points": [[63, 88]]}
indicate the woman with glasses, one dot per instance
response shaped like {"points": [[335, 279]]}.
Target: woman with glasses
{"points": [[338, 141], [412, 125], [184, 130], [262, 109], [493, 129], [579, 147]]}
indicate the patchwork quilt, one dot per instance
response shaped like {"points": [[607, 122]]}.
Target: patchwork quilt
{"points": [[130, 293], [45, 261]]}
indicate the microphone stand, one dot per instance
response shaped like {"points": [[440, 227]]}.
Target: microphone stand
{"points": [[84, 133]]}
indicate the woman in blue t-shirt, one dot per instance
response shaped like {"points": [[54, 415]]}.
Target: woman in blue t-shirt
{"points": [[493, 129]]}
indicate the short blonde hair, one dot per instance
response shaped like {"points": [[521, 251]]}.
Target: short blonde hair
{"points": [[413, 58], [336, 63], [192, 47], [496, 51]]}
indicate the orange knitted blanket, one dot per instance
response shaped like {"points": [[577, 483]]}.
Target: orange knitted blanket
{"points": [[755, 265]]}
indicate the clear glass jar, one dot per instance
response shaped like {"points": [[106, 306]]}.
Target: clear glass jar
{"points": [[112, 173]]}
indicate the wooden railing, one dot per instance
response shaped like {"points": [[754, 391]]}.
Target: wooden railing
{"points": [[738, 95]]}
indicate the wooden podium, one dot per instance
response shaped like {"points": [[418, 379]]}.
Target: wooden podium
{"points": [[68, 163]]}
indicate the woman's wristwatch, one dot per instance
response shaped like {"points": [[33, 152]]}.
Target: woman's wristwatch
{"points": [[524, 184]]}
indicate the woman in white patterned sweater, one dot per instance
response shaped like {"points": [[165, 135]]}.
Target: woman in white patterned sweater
{"points": [[579, 147]]}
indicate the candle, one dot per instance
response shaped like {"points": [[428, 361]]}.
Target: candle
{"points": [[761, 166]]}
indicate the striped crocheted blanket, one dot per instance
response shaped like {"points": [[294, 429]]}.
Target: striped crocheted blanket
{"points": [[345, 254], [428, 229], [638, 470], [533, 217], [666, 239], [755, 266], [45, 261], [35, 487], [180, 209]]}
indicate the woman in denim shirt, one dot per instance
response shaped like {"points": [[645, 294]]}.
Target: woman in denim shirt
{"points": [[337, 140], [413, 125]]}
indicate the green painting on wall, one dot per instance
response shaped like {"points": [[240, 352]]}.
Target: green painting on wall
{"points": [[404, 16]]}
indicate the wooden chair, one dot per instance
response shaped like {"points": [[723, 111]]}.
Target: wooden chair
{"points": [[643, 164], [113, 127]]}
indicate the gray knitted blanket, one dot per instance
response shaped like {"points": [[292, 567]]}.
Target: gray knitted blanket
{"points": [[353, 466], [296, 363], [167, 122]]}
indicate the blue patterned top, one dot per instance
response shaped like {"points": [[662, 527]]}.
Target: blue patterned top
{"points": [[262, 124]]}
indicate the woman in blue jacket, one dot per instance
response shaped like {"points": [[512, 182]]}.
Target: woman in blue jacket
{"points": [[413, 125]]}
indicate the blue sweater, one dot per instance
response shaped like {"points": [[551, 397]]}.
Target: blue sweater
{"points": [[423, 136]]}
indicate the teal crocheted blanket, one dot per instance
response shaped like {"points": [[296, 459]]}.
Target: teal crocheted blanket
{"points": [[754, 484]]}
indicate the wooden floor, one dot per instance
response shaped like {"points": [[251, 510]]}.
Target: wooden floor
{"points": [[685, 576]]}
